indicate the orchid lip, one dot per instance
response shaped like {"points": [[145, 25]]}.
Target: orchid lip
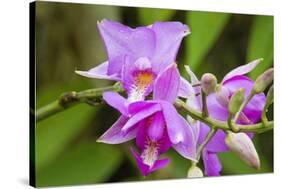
{"points": [[143, 80], [150, 153]]}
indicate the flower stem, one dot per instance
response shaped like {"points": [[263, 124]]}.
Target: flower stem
{"points": [[94, 97], [66, 100], [243, 106], [205, 112], [197, 115], [205, 142]]}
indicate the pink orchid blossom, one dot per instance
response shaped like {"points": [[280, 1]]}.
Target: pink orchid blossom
{"points": [[155, 124], [218, 108], [137, 56]]}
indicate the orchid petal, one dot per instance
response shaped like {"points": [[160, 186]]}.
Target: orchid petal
{"points": [[114, 135], [194, 81], [186, 148], [156, 129], [193, 78], [185, 89], [145, 169], [241, 70], [168, 38], [115, 100], [99, 72], [173, 122], [135, 107], [167, 85], [121, 40], [254, 108], [141, 115], [179, 132], [211, 163]]}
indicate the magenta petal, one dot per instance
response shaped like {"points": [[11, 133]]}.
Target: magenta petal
{"points": [[145, 169], [99, 72], [185, 90], [237, 82], [168, 38], [141, 138], [159, 164], [164, 143], [121, 40], [135, 107], [139, 116], [216, 110], [186, 148], [211, 163], [253, 109], [167, 85], [173, 122], [241, 70], [114, 135], [117, 101], [156, 129]]}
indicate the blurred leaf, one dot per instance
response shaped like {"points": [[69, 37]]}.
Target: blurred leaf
{"points": [[206, 28], [261, 43], [54, 133], [84, 163], [148, 16]]}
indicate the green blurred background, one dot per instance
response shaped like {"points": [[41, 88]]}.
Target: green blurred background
{"points": [[67, 39]]}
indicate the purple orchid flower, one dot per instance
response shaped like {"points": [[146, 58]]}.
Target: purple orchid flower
{"points": [[155, 124], [137, 56], [218, 109]]}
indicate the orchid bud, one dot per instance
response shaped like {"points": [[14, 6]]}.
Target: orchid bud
{"points": [[263, 81], [194, 172], [222, 95], [269, 96], [243, 147], [236, 100], [208, 83]]}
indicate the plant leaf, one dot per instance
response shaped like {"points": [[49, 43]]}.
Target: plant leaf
{"points": [[261, 43], [87, 162], [206, 28], [55, 132], [148, 16]]}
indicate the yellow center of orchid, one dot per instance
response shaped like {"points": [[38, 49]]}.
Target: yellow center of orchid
{"points": [[143, 79]]}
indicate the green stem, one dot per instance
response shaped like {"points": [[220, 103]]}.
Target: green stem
{"points": [[242, 107], [230, 123], [205, 142], [94, 97], [195, 114], [205, 112], [66, 100]]}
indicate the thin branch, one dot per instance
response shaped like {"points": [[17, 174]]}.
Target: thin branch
{"points": [[94, 97], [205, 111], [195, 114], [66, 100], [205, 142], [242, 107]]}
